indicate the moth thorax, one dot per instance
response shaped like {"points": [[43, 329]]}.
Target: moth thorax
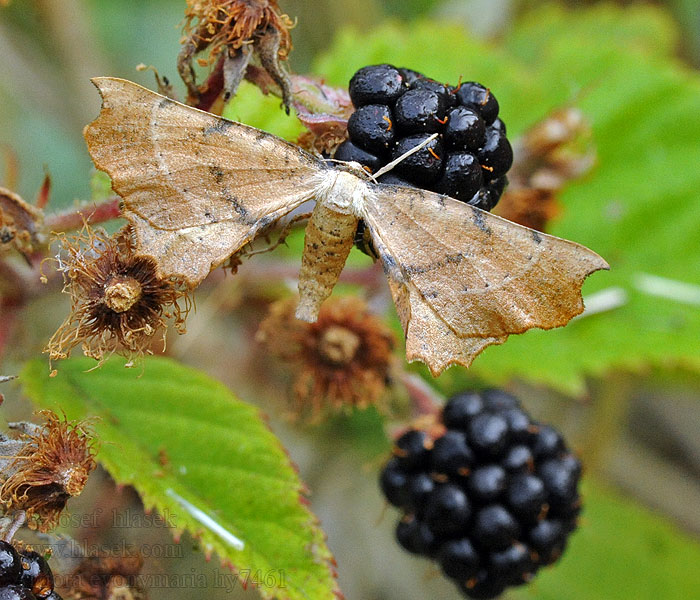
{"points": [[343, 192], [338, 345], [121, 293]]}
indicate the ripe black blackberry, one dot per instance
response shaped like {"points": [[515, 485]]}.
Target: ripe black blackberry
{"points": [[396, 109], [25, 575], [492, 499]]}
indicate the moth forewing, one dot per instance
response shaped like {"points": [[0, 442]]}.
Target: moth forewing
{"points": [[480, 274], [196, 187]]}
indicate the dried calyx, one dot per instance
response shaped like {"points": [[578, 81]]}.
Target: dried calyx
{"points": [[341, 361], [43, 467], [235, 32], [119, 301]]}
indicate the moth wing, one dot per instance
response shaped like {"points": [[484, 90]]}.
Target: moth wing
{"points": [[483, 276], [196, 187], [428, 338]]}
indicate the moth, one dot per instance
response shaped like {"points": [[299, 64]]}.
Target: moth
{"points": [[197, 187]]}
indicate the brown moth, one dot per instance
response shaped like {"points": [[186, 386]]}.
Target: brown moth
{"points": [[197, 187]]}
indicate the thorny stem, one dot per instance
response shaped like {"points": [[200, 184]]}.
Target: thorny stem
{"points": [[77, 217]]}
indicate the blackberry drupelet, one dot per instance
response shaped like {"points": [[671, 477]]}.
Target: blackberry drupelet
{"points": [[492, 499], [396, 109], [25, 575]]}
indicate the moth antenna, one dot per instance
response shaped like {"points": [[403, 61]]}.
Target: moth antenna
{"points": [[388, 167], [347, 162]]}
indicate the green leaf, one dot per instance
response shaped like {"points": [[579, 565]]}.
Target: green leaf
{"points": [[638, 209], [220, 459], [620, 550]]}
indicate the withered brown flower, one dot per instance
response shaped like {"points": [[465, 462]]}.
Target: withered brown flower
{"points": [[340, 361], [45, 467], [108, 576], [235, 30], [119, 303], [555, 151]]}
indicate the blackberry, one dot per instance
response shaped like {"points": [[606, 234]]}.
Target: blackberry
{"points": [[372, 129], [547, 442], [495, 527], [464, 130], [512, 565], [498, 400], [548, 538], [415, 536], [447, 511], [462, 177], [487, 483], [397, 108], [451, 454], [462, 408], [36, 574], [16, 592], [488, 434], [527, 497], [560, 480], [376, 84], [496, 155], [10, 565], [351, 153], [422, 167], [412, 449], [419, 111], [459, 559], [492, 498], [518, 459], [475, 96], [520, 427], [483, 586], [394, 483]]}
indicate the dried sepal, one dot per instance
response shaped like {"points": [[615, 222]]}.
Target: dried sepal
{"points": [[233, 31], [119, 303], [341, 361], [44, 467], [324, 111], [20, 224], [550, 154]]}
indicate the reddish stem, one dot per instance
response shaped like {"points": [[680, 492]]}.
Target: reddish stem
{"points": [[77, 217], [8, 318], [425, 400], [212, 87]]}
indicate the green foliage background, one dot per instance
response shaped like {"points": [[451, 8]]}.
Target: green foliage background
{"points": [[639, 208]]}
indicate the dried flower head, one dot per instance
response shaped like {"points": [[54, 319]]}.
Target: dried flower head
{"points": [[552, 153], [108, 576], [341, 361], [234, 30], [45, 467], [232, 23], [119, 303]]}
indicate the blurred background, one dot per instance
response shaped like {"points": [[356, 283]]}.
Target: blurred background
{"points": [[624, 385]]}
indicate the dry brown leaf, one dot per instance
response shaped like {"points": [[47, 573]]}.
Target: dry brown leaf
{"points": [[198, 187]]}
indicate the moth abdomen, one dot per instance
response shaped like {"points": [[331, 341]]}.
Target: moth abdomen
{"points": [[328, 241]]}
